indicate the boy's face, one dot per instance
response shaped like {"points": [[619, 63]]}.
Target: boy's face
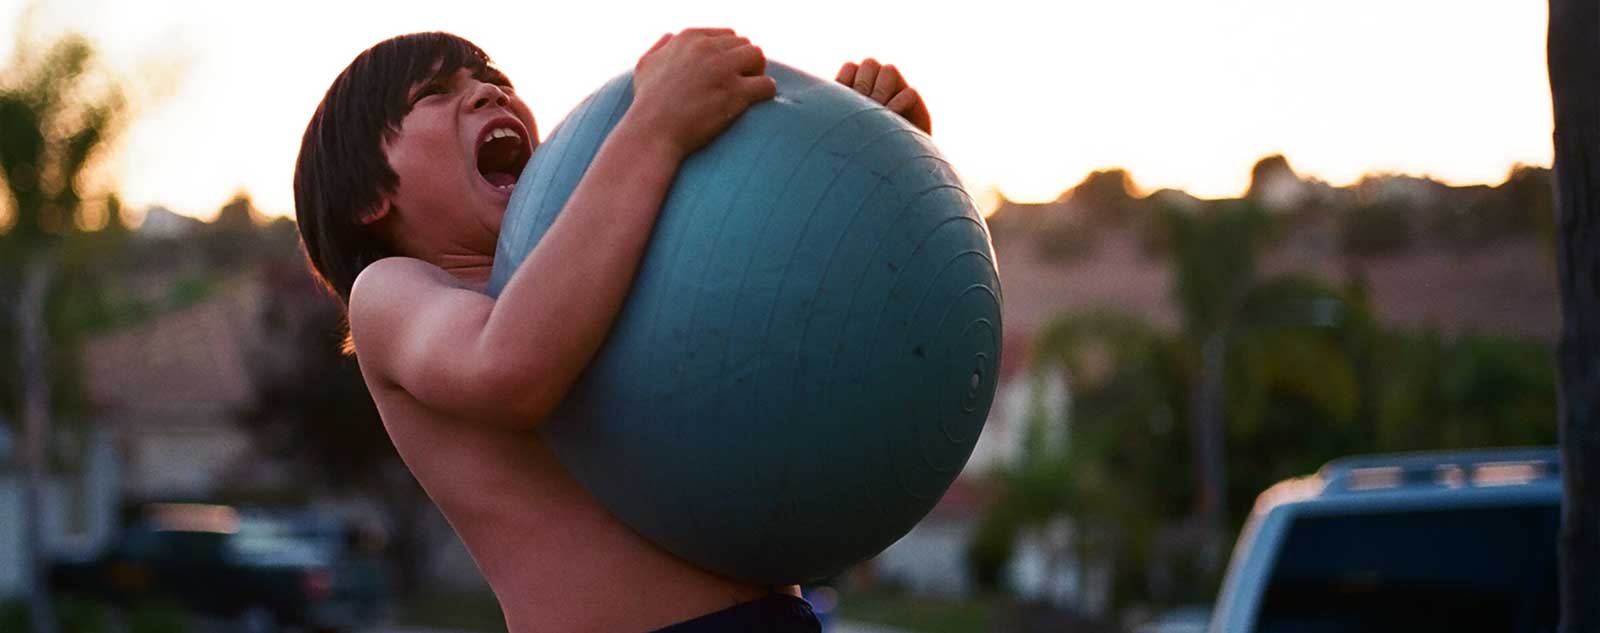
{"points": [[458, 154]]}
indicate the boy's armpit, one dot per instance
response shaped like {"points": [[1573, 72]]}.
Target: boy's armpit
{"points": [[420, 329]]}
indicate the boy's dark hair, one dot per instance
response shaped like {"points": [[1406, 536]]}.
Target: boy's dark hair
{"points": [[342, 171]]}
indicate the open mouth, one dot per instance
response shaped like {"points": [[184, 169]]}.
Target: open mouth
{"points": [[502, 153]]}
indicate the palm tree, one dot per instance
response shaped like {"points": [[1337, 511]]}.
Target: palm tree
{"points": [[52, 124], [1246, 338], [1214, 253]]}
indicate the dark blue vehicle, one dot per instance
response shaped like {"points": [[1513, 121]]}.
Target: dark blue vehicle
{"points": [[255, 572], [1458, 542]]}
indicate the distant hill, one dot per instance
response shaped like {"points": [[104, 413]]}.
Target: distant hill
{"points": [[1431, 256]]}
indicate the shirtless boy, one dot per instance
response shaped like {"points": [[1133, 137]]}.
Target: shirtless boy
{"points": [[399, 215]]}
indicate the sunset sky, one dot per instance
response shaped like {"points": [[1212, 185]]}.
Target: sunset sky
{"points": [[1026, 96]]}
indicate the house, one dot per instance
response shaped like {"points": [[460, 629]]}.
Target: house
{"points": [[1017, 391], [168, 388], [168, 392], [79, 508], [932, 558], [159, 395]]}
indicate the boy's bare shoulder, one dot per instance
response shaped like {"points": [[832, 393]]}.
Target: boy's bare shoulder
{"points": [[396, 280], [387, 291], [390, 274]]}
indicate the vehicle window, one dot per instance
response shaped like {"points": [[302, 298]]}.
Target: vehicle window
{"points": [[1490, 569], [170, 545], [141, 544], [194, 547], [273, 545]]}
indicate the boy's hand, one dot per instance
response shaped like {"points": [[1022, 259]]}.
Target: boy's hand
{"points": [[693, 85], [883, 84]]}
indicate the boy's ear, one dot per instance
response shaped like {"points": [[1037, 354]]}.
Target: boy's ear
{"points": [[377, 212]]}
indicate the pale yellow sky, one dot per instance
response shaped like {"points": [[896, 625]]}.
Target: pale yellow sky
{"points": [[1026, 96]]}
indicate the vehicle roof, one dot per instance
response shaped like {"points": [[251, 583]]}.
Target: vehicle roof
{"points": [[1438, 477], [191, 517]]}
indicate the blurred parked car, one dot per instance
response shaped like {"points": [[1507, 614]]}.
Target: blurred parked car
{"points": [[255, 571], [1455, 542], [1191, 619]]}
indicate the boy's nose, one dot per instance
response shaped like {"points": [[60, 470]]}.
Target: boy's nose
{"points": [[487, 94]]}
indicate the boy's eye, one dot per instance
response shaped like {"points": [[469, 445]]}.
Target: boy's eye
{"points": [[430, 89]]}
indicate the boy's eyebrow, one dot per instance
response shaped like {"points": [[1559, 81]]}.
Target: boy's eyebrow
{"points": [[492, 74], [486, 73], [436, 74]]}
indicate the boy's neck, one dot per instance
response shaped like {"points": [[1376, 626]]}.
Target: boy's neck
{"points": [[472, 270]]}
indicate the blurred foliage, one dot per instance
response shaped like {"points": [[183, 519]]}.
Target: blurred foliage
{"points": [[476, 611], [1373, 229], [311, 406], [1466, 393], [58, 113], [1105, 198], [157, 617], [922, 614], [80, 615], [1213, 259], [1474, 216], [1308, 376], [73, 615], [311, 411], [1381, 214]]}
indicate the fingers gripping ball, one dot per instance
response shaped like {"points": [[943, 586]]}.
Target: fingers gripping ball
{"points": [[809, 349]]}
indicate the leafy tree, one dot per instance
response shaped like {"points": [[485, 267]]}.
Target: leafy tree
{"points": [[235, 238], [1291, 369], [1301, 374], [312, 411], [1468, 393], [1105, 198], [1125, 447], [1266, 170]]}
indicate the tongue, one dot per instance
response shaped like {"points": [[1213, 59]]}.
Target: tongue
{"points": [[500, 178]]}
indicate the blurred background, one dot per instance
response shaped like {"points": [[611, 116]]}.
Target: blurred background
{"points": [[1238, 239]]}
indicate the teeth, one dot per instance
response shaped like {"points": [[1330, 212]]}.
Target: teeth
{"points": [[503, 132]]}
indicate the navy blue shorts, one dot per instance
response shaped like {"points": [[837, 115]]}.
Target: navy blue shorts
{"points": [[774, 613]]}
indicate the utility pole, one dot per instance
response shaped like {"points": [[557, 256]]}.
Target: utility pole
{"points": [[1573, 51], [34, 357]]}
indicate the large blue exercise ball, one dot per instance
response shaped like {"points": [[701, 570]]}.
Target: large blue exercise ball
{"points": [[810, 347]]}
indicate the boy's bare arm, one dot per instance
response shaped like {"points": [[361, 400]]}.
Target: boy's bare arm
{"points": [[510, 362]]}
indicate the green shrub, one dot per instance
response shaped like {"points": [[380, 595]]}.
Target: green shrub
{"points": [[157, 617], [73, 615]]}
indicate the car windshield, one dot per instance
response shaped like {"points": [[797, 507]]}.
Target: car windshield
{"points": [[272, 544], [1485, 569]]}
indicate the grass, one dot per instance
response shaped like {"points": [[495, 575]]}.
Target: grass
{"points": [[478, 611], [917, 614], [462, 611]]}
